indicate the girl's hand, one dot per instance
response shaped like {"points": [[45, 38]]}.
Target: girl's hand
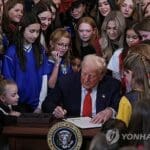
{"points": [[56, 57]]}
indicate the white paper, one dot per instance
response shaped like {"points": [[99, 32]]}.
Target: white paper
{"points": [[83, 122]]}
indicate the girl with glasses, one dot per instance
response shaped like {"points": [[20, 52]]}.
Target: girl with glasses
{"points": [[59, 55]]}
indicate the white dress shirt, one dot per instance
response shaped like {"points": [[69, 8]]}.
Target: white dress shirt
{"points": [[93, 96]]}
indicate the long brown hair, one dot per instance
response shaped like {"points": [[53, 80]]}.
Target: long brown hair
{"points": [[10, 4], [138, 61], [140, 123]]}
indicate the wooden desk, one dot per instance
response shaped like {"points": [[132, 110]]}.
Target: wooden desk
{"points": [[34, 137]]}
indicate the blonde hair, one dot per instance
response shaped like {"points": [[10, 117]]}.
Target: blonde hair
{"points": [[134, 13], [58, 34], [3, 83], [105, 41], [55, 37], [120, 2]]}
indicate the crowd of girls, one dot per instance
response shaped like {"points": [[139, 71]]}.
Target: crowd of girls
{"points": [[43, 40]]}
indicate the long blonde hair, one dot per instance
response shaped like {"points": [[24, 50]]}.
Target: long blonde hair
{"points": [[116, 16], [134, 13]]}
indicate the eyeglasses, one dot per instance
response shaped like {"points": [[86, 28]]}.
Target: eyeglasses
{"points": [[63, 45]]}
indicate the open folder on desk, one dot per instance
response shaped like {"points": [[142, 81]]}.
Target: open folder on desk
{"points": [[83, 122]]}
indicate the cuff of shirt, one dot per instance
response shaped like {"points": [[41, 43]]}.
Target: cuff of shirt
{"points": [[113, 112]]}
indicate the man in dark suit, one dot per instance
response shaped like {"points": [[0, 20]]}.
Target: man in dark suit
{"points": [[67, 98]]}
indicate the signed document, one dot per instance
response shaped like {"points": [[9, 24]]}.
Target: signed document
{"points": [[83, 122]]}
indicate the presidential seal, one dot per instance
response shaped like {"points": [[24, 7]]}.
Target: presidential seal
{"points": [[64, 136]]}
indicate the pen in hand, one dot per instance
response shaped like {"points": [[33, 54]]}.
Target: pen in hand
{"points": [[59, 112]]}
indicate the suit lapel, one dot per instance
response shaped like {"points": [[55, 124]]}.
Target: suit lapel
{"points": [[100, 98]]}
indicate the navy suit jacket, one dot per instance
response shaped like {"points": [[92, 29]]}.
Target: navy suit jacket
{"points": [[67, 93]]}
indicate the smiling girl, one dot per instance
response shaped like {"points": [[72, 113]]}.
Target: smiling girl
{"points": [[103, 8], [25, 62], [44, 14], [12, 15]]}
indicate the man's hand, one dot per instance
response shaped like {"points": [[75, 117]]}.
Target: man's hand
{"points": [[15, 113], [59, 112], [102, 116]]}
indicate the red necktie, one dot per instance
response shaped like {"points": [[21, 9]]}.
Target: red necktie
{"points": [[87, 105]]}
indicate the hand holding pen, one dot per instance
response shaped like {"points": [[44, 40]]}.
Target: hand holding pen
{"points": [[59, 112]]}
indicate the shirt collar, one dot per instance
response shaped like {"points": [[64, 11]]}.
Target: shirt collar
{"points": [[85, 90], [27, 47]]}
